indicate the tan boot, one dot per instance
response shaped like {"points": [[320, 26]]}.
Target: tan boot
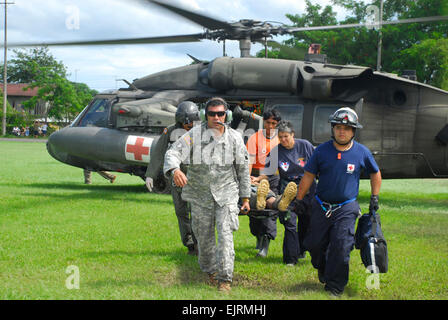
{"points": [[224, 286], [262, 192], [288, 195], [211, 279]]}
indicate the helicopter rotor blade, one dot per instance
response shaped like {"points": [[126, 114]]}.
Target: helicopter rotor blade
{"points": [[151, 40], [205, 21], [355, 25]]}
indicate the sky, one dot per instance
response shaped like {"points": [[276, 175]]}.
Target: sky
{"points": [[102, 67]]}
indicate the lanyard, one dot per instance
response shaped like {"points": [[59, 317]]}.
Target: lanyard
{"points": [[331, 207]]}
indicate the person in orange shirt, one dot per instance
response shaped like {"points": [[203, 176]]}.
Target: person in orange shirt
{"points": [[259, 145]]}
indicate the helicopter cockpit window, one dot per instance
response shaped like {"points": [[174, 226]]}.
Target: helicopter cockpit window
{"points": [[97, 114], [321, 126], [292, 113]]}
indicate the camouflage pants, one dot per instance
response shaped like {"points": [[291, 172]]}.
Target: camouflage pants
{"points": [[104, 174], [215, 257]]}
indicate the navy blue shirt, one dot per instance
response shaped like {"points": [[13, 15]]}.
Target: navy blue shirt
{"points": [[289, 162], [339, 172]]}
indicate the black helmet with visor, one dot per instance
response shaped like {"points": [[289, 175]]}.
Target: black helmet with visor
{"points": [[187, 112]]}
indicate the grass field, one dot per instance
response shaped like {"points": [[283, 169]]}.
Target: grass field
{"points": [[125, 242]]}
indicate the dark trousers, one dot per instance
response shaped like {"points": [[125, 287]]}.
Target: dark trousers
{"points": [[330, 241], [182, 209], [296, 228], [261, 227], [268, 226]]}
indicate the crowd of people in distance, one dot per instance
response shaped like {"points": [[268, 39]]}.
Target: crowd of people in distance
{"points": [[37, 130]]}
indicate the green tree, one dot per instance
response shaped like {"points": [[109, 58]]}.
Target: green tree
{"points": [[65, 100], [398, 37], [430, 60], [39, 69], [21, 66], [84, 93], [360, 45]]}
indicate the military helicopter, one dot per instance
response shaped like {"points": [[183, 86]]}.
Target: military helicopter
{"points": [[405, 122]]}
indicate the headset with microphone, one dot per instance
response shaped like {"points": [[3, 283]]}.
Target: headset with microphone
{"points": [[216, 101]]}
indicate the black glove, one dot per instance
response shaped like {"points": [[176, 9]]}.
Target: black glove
{"points": [[300, 207], [373, 203]]}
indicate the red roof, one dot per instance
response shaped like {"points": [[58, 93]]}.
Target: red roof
{"points": [[16, 89]]}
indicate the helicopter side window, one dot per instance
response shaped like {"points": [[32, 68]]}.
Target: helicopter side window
{"points": [[321, 127], [292, 113], [97, 114]]}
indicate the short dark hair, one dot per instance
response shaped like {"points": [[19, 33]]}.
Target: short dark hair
{"points": [[285, 126], [216, 101], [272, 113]]}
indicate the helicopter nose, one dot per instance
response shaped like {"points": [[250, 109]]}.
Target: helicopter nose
{"points": [[54, 149]]}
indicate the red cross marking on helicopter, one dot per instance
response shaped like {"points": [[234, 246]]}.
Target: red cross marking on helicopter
{"points": [[138, 149]]}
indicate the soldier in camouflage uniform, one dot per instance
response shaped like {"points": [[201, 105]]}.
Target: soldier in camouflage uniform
{"points": [[218, 175], [106, 175], [187, 112]]}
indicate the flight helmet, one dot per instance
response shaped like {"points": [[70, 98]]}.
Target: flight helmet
{"points": [[187, 112]]}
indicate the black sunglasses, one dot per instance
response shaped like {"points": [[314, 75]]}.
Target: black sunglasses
{"points": [[217, 113]]}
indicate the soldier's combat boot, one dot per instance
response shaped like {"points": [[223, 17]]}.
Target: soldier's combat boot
{"points": [[288, 195], [224, 286], [262, 192], [264, 247], [212, 280]]}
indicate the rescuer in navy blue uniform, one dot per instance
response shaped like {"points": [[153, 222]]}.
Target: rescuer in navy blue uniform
{"points": [[288, 160], [338, 164]]}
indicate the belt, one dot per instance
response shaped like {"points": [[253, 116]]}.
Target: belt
{"points": [[331, 207]]}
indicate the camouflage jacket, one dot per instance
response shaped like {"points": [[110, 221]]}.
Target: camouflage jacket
{"points": [[159, 148], [218, 168]]}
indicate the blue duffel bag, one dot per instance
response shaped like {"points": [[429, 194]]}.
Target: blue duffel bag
{"points": [[369, 239]]}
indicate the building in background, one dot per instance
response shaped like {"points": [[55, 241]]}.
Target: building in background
{"points": [[17, 95]]}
